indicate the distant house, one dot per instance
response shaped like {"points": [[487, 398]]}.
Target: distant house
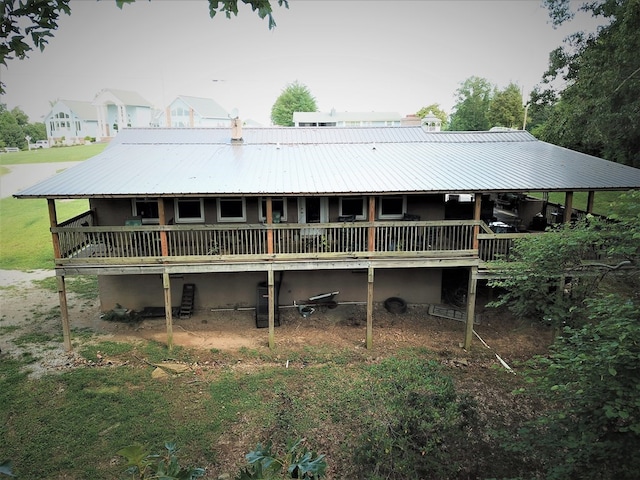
{"points": [[118, 109], [70, 121], [347, 119], [190, 112]]}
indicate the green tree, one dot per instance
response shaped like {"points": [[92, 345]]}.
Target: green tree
{"points": [[29, 25], [473, 100], [435, 109], [11, 133], [295, 97], [597, 112], [506, 109], [591, 377]]}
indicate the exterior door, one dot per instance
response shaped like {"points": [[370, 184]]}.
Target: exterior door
{"points": [[313, 210]]}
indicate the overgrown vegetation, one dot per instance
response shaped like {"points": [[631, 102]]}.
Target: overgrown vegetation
{"points": [[590, 379]]}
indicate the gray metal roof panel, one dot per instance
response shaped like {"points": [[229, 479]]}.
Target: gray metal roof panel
{"points": [[348, 165]]}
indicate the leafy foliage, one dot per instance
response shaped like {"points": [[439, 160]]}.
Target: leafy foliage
{"points": [[295, 97], [144, 465], [597, 111], [15, 126], [592, 376], [506, 109], [296, 462], [473, 99], [590, 379]]}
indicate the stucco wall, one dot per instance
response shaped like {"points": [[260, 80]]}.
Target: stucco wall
{"points": [[415, 285]]}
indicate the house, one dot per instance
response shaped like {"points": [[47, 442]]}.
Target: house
{"points": [[371, 212], [71, 121], [346, 119], [118, 109], [190, 112]]}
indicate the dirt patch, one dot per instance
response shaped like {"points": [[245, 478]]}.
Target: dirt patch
{"points": [[28, 310]]}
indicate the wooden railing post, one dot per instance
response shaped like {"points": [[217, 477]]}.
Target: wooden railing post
{"points": [[53, 222], [162, 219], [269, 226], [476, 216], [371, 240]]}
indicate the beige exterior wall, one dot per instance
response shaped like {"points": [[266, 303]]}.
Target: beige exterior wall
{"points": [[225, 290]]}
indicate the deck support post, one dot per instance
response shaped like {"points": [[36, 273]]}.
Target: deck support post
{"points": [[272, 308], [166, 285], [369, 338], [269, 225], [568, 206], [590, 200], [471, 307], [64, 313]]}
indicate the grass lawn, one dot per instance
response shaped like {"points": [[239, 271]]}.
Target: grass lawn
{"points": [[76, 153], [601, 201], [71, 425], [25, 240]]}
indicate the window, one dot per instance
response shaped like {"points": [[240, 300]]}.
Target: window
{"points": [[353, 206], [279, 205], [189, 210], [231, 209], [146, 209], [391, 208]]}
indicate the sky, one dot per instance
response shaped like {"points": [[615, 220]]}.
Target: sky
{"points": [[353, 55]]}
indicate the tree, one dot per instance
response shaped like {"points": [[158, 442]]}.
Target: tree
{"points": [[435, 109], [473, 100], [29, 25], [295, 97], [506, 109], [597, 111], [15, 126], [590, 378]]}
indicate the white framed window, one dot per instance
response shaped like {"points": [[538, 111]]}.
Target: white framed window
{"points": [[146, 209], [279, 207], [189, 210], [392, 207], [232, 209], [353, 206]]}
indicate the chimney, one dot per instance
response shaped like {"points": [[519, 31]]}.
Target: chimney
{"points": [[236, 130]]}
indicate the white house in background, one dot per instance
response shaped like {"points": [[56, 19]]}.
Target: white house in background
{"points": [[194, 112], [70, 121], [347, 119], [118, 109]]}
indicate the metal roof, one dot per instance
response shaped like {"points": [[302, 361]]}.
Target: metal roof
{"points": [[329, 161]]}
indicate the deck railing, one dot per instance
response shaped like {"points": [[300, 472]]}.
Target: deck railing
{"points": [[78, 239]]}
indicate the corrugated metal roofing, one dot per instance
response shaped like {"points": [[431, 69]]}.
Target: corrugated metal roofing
{"points": [[332, 161]]}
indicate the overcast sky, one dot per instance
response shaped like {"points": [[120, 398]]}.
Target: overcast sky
{"points": [[392, 56]]}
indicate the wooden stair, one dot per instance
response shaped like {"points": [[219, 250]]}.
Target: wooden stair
{"points": [[188, 297]]}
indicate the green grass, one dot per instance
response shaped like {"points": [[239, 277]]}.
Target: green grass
{"points": [[601, 201], [25, 240], [48, 155], [71, 424]]}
